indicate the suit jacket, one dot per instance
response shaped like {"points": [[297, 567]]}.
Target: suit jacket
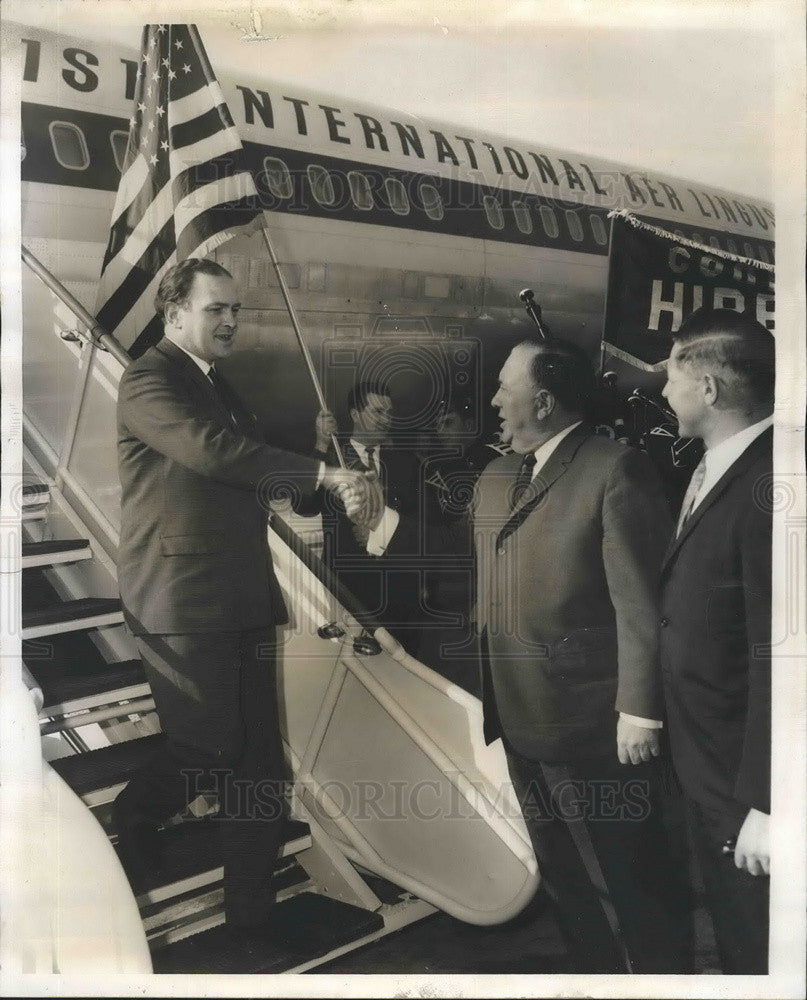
{"points": [[568, 603], [195, 478], [715, 643], [392, 597]]}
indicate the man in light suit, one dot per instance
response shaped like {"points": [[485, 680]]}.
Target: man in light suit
{"points": [[569, 534], [198, 589], [716, 610]]}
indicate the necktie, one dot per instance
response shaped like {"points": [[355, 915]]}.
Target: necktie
{"points": [[689, 497], [371, 460], [218, 385], [523, 479]]}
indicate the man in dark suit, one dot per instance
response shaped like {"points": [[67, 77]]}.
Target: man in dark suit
{"points": [[569, 533], [197, 585], [378, 562], [716, 610]]}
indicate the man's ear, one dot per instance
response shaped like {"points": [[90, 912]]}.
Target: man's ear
{"points": [[172, 312], [711, 390], [354, 415], [544, 404]]}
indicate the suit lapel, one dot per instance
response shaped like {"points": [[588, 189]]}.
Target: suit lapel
{"points": [[747, 458], [557, 464], [201, 381], [555, 467]]}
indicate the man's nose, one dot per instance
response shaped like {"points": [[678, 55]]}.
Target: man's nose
{"points": [[229, 318]]}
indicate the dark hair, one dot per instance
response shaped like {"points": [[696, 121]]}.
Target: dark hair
{"points": [[736, 349], [357, 397], [177, 281], [565, 370]]}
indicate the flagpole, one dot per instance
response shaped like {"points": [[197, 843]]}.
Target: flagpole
{"points": [[211, 77], [298, 333]]}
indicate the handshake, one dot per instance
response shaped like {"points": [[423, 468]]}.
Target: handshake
{"points": [[360, 492]]}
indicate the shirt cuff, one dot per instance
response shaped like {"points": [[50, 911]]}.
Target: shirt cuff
{"points": [[380, 537], [320, 475], [636, 720]]}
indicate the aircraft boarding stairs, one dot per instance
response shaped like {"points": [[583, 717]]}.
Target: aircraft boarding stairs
{"points": [[398, 808]]}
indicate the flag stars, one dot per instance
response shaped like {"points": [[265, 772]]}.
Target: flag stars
{"points": [[153, 159], [171, 75], [164, 145], [155, 76], [160, 110], [141, 107], [186, 68], [161, 29], [165, 62], [178, 44]]}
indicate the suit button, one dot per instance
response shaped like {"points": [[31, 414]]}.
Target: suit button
{"points": [[500, 550], [664, 622]]}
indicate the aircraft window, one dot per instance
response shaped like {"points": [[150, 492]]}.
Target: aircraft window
{"points": [[360, 192], [523, 218], [748, 250], [432, 202], [763, 254], [278, 177], [575, 226], [396, 196], [714, 242], [732, 246], [697, 238], [679, 234], [119, 140], [549, 221], [321, 184], [69, 145], [598, 229], [493, 210]]}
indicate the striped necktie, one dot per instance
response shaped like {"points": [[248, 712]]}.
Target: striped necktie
{"points": [[523, 479], [691, 494]]}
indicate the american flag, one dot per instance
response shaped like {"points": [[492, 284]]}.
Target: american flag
{"points": [[184, 189]]}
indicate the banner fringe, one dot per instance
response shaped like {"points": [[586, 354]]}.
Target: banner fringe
{"points": [[637, 223], [632, 360]]}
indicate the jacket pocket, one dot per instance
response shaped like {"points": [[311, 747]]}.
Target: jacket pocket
{"points": [[199, 544]]}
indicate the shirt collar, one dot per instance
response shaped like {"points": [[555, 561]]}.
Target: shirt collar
{"points": [[543, 453], [204, 366], [720, 458], [361, 449]]}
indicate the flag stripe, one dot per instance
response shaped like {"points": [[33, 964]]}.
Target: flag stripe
{"points": [[201, 127], [138, 277], [215, 220], [223, 142], [195, 104]]}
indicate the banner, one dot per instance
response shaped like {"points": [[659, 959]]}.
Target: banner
{"points": [[656, 279]]}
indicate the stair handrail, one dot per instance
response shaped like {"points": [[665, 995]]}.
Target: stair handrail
{"points": [[95, 334]]}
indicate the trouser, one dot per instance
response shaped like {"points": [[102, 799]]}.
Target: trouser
{"points": [[216, 697], [737, 901], [618, 893]]}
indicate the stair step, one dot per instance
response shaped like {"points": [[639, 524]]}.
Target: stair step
{"points": [[72, 616], [107, 767], [305, 927], [192, 857], [35, 493], [51, 553], [75, 692]]}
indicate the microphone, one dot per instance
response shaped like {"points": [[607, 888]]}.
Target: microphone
{"points": [[527, 296]]}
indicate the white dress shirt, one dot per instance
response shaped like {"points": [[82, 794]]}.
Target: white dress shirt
{"points": [[542, 456], [379, 538], [720, 458]]}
